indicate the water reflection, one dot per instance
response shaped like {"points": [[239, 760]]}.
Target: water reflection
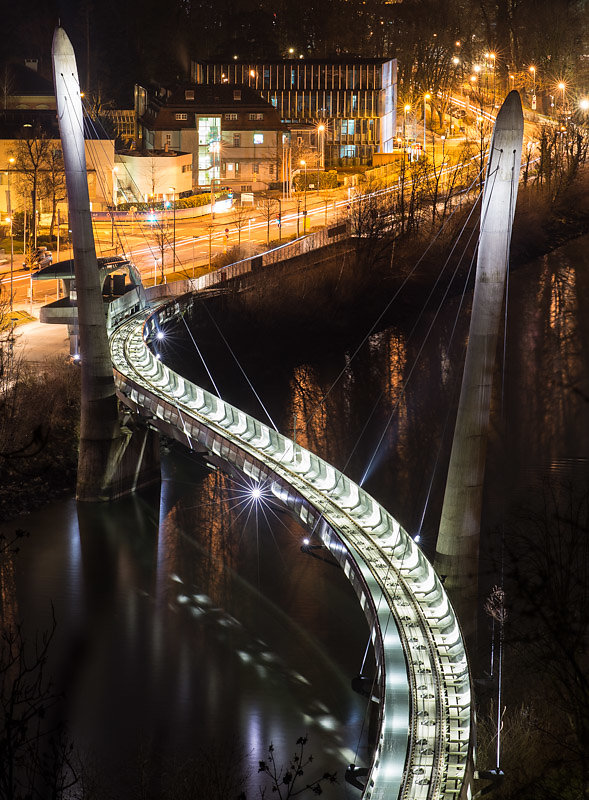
{"points": [[189, 616]]}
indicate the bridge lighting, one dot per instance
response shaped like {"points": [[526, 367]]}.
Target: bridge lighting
{"points": [[160, 335]]}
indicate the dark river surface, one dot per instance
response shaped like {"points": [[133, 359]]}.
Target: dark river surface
{"points": [[191, 625]]}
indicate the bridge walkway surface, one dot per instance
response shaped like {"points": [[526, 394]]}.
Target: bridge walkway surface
{"points": [[425, 739]]}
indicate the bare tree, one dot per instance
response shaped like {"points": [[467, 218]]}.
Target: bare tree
{"points": [[32, 155], [242, 213], [268, 206], [290, 781], [547, 567], [53, 182]]}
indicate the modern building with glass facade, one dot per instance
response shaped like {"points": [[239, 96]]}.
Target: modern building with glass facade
{"points": [[356, 100]]}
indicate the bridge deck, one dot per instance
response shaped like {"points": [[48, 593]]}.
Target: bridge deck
{"points": [[424, 745]]}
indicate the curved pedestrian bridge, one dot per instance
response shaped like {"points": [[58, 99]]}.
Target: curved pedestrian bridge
{"points": [[424, 745]]}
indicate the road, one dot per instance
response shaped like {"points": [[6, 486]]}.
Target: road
{"points": [[198, 241]]}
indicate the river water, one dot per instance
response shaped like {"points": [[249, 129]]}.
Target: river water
{"points": [[191, 625]]}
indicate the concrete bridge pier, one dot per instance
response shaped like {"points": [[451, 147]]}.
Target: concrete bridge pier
{"points": [[457, 551], [112, 459]]}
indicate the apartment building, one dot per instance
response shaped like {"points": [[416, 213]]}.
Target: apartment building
{"points": [[234, 135]]}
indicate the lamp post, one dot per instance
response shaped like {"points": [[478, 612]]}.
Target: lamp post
{"points": [[173, 190], [11, 161], [406, 110], [533, 71], [304, 165], [321, 159], [492, 56], [215, 149], [562, 87], [426, 97]]}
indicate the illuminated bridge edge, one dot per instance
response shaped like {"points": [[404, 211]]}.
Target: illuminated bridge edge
{"points": [[424, 746]]}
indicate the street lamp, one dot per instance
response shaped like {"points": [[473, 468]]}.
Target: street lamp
{"points": [[321, 160], [512, 81], [173, 190], [406, 110], [492, 56], [11, 161], [10, 219], [562, 87], [533, 71], [584, 104], [215, 148], [304, 165], [426, 96]]}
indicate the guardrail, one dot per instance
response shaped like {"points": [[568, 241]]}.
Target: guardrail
{"points": [[424, 744]]}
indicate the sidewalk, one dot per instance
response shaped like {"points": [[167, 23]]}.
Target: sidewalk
{"points": [[37, 341]]}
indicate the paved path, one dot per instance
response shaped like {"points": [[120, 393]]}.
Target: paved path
{"points": [[37, 341]]}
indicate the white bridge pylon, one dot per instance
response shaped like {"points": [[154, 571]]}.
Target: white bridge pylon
{"points": [[426, 731]]}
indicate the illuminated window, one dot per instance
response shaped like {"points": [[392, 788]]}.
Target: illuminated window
{"points": [[237, 140], [258, 138], [256, 116], [181, 116], [231, 116], [189, 94]]}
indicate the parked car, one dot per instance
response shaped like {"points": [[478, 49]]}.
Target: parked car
{"points": [[41, 257]]}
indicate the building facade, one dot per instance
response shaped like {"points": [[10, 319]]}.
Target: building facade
{"points": [[355, 100], [19, 129], [233, 134]]}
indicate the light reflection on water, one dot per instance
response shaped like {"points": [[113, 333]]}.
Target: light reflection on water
{"points": [[185, 621]]}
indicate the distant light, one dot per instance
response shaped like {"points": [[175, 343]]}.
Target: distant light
{"points": [[256, 493], [157, 355], [306, 542], [76, 357], [160, 335], [291, 50], [252, 73], [417, 538], [477, 68], [584, 104]]}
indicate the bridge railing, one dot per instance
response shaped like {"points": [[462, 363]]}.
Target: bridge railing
{"points": [[409, 606]]}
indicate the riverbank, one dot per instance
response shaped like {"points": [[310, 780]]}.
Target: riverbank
{"points": [[328, 300], [329, 295]]}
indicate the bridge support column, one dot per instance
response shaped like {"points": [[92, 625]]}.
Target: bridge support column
{"points": [[104, 465], [457, 552]]}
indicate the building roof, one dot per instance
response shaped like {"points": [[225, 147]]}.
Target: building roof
{"points": [[22, 81], [346, 59]]}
